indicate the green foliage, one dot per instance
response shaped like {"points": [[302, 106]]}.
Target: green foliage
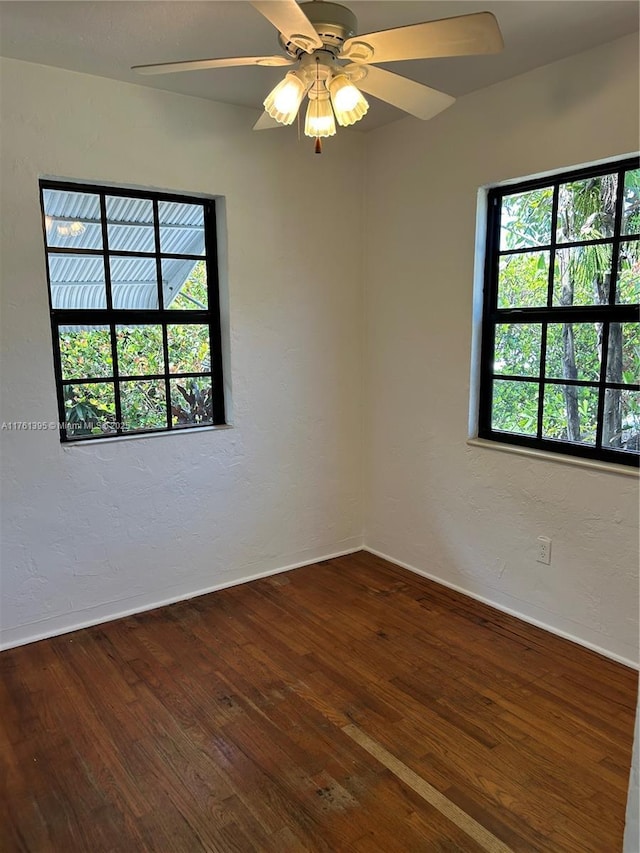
{"points": [[630, 427], [581, 275], [143, 404], [555, 420], [193, 293], [628, 290], [89, 409], [87, 353], [517, 349], [188, 348], [191, 401], [631, 211], [140, 350], [586, 209], [526, 219], [515, 407], [630, 353], [523, 280], [585, 344]]}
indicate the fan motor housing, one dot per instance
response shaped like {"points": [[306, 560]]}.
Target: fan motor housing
{"points": [[333, 23]]}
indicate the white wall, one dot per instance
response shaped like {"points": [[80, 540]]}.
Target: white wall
{"points": [[92, 531], [632, 826], [469, 515]]}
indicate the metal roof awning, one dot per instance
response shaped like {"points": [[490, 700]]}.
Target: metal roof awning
{"points": [[73, 221]]}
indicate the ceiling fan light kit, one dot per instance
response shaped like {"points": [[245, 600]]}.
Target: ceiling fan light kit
{"points": [[320, 121], [284, 101], [321, 39], [349, 103]]}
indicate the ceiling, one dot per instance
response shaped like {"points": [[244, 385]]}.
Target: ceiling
{"points": [[106, 38]]}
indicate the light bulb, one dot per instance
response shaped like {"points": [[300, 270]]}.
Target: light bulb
{"points": [[283, 102], [319, 120], [349, 103]]}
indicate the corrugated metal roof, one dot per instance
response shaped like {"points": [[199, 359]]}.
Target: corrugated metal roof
{"points": [[73, 222]]}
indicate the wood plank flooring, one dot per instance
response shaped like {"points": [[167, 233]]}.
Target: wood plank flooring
{"points": [[345, 706]]}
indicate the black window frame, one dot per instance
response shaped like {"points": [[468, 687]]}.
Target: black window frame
{"points": [[160, 316], [607, 314]]}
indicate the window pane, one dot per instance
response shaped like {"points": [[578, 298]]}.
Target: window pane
{"points": [[134, 283], [143, 404], [185, 285], [628, 282], [573, 351], [623, 364], [140, 350], [130, 224], [570, 413], [77, 281], [517, 349], [586, 209], [621, 428], [552, 296], [188, 348], [515, 407], [89, 409], [72, 220], [526, 219], [581, 275], [631, 208], [116, 260], [523, 280], [85, 352], [191, 401], [181, 228]]}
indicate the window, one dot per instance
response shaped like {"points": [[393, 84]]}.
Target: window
{"points": [[135, 317], [560, 364]]}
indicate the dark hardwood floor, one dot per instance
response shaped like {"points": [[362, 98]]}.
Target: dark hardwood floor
{"points": [[345, 706]]}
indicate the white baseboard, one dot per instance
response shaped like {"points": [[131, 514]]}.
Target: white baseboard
{"points": [[67, 622], [510, 610]]}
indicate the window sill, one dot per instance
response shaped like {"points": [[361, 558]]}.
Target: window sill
{"points": [[576, 461], [138, 436]]}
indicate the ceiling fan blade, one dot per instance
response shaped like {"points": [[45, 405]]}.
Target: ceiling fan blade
{"points": [[200, 64], [459, 36], [408, 95], [265, 122], [289, 19]]}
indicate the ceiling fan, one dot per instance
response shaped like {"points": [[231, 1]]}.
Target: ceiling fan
{"points": [[333, 65]]}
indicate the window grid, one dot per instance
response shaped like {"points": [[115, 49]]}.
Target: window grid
{"points": [[606, 315], [111, 317]]}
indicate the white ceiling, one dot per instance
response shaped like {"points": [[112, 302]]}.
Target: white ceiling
{"points": [[105, 38]]}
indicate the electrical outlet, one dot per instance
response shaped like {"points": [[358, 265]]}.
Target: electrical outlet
{"points": [[544, 550]]}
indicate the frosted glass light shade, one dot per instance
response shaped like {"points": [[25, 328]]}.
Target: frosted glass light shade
{"points": [[283, 102], [320, 120], [349, 103]]}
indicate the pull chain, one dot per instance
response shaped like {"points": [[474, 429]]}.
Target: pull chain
{"points": [[318, 146]]}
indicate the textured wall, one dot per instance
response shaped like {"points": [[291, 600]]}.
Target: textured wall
{"points": [[469, 515], [632, 828], [92, 531]]}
